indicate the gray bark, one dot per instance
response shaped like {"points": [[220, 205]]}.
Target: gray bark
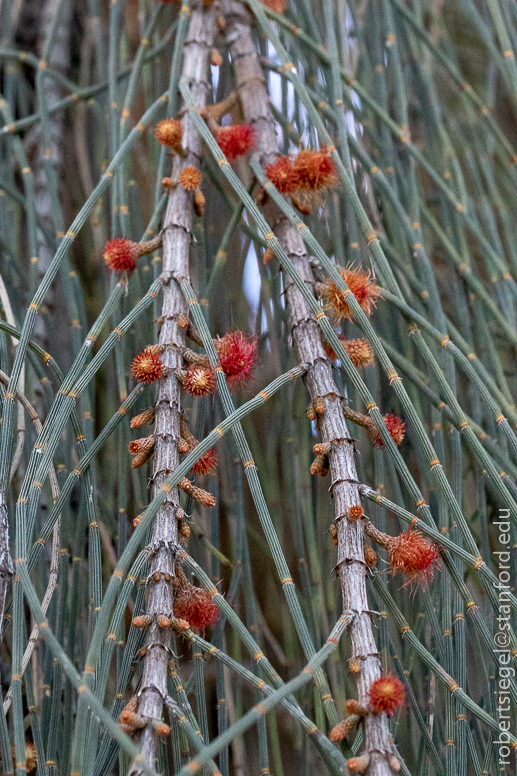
{"points": [[177, 234], [350, 567]]}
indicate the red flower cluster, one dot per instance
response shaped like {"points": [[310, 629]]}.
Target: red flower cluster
{"points": [[147, 366], [195, 605], [386, 694], [395, 426], [235, 140], [415, 556], [307, 171], [237, 355], [206, 463], [121, 254], [360, 283]]}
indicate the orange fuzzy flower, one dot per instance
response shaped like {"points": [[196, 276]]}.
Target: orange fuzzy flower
{"points": [[190, 178], [121, 254], [194, 605], [359, 351], [147, 366], [169, 133], [235, 140], [199, 380], [386, 695], [415, 556], [315, 170], [395, 426], [237, 356], [206, 463], [283, 175], [360, 283], [276, 5]]}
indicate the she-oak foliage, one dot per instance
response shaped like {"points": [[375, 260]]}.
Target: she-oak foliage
{"points": [[258, 450]]}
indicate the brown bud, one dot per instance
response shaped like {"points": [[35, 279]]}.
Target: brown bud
{"points": [[201, 496], [137, 519], [268, 256], [143, 652], [338, 733], [143, 621], [319, 405], [394, 763], [147, 416], [168, 183], [355, 512], [311, 412], [141, 445], [167, 576], [163, 621], [199, 203], [333, 533], [182, 321], [354, 667], [185, 531], [352, 705], [358, 764], [320, 465], [221, 23], [321, 448], [181, 514], [157, 576], [216, 57], [183, 446], [161, 728], [303, 207], [370, 556], [180, 626], [141, 458]]}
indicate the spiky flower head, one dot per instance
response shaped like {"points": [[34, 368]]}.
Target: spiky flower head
{"points": [[283, 175], [206, 463], [120, 254], [238, 356], [315, 170], [395, 426], [147, 366], [386, 695], [356, 512], [360, 283], [194, 605], [169, 132], [235, 140], [199, 380], [190, 178], [359, 351], [414, 556]]}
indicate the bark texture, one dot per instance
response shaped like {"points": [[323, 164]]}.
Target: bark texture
{"points": [[176, 245], [351, 567]]}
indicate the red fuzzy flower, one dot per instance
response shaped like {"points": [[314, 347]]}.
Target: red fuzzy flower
{"points": [[147, 366], [386, 694], [199, 380], [315, 170], [235, 140], [360, 283], [413, 555], [283, 175], [237, 356], [195, 605], [206, 463], [121, 254], [395, 426]]}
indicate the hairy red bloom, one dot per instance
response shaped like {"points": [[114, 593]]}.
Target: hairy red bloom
{"points": [[283, 175], [315, 170], [190, 178], [237, 355], [199, 380], [147, 366], [169, 132], [386, 694], [206, 463], [235, 140], [195, 605], [359, 351], [121, 254], [360, 283], [415, 556], [395, 426]]}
